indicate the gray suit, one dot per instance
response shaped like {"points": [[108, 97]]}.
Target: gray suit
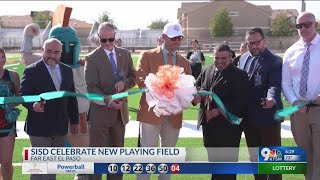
{"points": [[107, 125]]}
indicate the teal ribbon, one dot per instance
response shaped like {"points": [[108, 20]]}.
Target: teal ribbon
{"points": [[128, 93], [234, 119], [290, 110], [61, 94], [98, 97], [49, 96]]}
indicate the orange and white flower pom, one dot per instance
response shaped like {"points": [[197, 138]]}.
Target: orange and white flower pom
{"points": [[170, 90]]}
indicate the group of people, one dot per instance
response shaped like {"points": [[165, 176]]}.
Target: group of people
{"points": [[251, 91]]}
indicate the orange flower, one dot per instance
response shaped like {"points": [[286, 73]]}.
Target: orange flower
{"points": [[167, 78]]}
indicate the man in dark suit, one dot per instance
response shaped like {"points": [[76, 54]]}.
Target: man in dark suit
{"points": [[232, 86], [242, 49], [47, 121], [108, 70], [264, 72]]}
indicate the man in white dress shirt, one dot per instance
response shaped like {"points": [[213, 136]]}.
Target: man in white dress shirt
{"points": [[300, 83]]}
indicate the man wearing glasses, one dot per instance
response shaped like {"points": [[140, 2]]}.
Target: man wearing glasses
{"points": [[152, 126], [108, 70], [301, 83], [264, 73]]}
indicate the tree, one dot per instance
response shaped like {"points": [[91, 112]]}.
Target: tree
{"points": [[105, 17], [282, 26], [158, 24], [221, 24], [42, 18]]}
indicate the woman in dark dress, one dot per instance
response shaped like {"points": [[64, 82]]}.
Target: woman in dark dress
{"points": [[9, 86], [196, 58]]}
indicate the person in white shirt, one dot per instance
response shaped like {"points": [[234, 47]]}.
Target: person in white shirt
{"points": [[300, 83]]}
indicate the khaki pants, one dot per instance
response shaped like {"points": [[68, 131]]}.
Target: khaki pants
{"points": [[149, 137], [107, 137], [306, 132], [80, 139]]}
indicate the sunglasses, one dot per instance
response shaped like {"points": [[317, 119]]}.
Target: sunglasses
{"points": [[179, 38], [256, 43], [306, 25], [104, 40]]}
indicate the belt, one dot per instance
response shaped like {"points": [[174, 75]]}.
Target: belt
{"points": [[312, 105]]}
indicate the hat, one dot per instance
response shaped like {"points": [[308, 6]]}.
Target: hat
{"points": [[172, 30]]}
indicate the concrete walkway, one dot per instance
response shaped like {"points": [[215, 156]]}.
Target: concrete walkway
{"points": [[189, 130]]}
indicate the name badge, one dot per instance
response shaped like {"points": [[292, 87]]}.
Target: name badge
{"points": [[257, 79]]}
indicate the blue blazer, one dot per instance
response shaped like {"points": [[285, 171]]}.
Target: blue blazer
{"points": [[57, 112], [267, 73]]}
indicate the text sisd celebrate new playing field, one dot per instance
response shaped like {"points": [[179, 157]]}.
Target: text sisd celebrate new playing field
{"points": [[59, 160]]}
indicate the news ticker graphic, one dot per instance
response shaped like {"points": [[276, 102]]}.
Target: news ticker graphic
{"points": [[156, 161], [281, 154], [98, 154], [162, 168], [282, 159]]}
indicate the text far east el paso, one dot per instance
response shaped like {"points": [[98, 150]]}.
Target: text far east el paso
{"points": [[55, 158]]}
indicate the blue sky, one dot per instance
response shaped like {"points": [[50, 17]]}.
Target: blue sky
{"points": [[130, 14]]}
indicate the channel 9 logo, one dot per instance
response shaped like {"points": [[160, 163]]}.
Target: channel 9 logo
{"points": [[271, 155]]}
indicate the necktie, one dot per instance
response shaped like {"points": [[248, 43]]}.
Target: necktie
{"points": [[55, 78], [252, 65], [170, 60], [113, 63], [305, 73]]}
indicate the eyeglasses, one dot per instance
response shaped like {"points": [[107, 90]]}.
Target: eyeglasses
{"points": [[256, 43], [104, 40], [306, 25], [179, 38]]}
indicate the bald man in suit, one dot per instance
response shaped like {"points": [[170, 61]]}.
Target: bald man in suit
{"points": [[108, 70]]}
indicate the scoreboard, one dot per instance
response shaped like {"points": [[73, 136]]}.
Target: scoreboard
{"points": [[271, 160]]}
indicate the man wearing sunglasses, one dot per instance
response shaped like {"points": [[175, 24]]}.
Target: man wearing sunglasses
{"points": [[264, 73], [301, 83], [108, 70], [152, 126]]}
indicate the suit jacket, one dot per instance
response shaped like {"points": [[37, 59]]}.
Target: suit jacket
{"points": [[232, 89], [100, 79], [57, 113], [149, 62], [235, 60], [269, 67]]}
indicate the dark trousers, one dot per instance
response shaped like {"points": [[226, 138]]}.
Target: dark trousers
{"points": [[53, 141], [265, 136], [196, 69], [222, 140]]}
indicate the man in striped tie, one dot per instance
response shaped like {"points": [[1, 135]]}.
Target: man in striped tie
{"points": [[151, 126], [300, 83]]}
